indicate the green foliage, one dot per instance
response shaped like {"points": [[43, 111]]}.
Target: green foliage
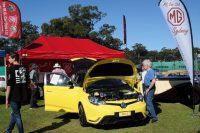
{"points": [[85, 16], [3, 43], [153, 55], [80, 24], [29, 34], [169, 54], [139, 53], [104, 37]]}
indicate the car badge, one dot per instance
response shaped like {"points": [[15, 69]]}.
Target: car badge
{"points": [[123, 105]]}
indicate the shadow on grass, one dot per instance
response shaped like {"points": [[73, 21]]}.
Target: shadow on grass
{"points": [[68, 116], [129, 124], [40, 106], [54, 125], [2, 99], [157, 108], [122, 125]]}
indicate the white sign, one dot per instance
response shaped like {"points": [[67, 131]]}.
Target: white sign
{"points": [[55, 79]]}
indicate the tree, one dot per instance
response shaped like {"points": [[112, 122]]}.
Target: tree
{"points": [[128, 54], [139, 49], [3, 43], [86, 16], [104, 37], [153, 55], [80, 24], [140, 52], [29, 34], [169, 54]]}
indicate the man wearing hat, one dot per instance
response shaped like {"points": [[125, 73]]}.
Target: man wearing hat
{"points": [[58, 69], [34, 77]]}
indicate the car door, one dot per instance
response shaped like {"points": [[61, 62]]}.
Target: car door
{"points": [[59, 94]]}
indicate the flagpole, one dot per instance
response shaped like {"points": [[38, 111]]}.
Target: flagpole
{"points": [[124, 26], [193, 97], [175, 13]]}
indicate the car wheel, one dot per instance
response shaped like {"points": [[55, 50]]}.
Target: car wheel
{"points": [[82, 117]]}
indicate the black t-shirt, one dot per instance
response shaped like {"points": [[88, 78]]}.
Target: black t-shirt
{"points": [[18, 79]]}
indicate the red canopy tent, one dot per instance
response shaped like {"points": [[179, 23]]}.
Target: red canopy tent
{"points": [[66, 48], [45, 51]]}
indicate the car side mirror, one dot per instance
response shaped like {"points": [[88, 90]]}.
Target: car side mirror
{"points": [[71, 85]]}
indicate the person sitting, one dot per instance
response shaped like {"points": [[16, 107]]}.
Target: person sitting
{"points": [[58, 69]]}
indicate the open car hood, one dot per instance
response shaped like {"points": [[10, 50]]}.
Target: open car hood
{"points": [[123, 69]]}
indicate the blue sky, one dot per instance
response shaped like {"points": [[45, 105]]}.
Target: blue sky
{"points": [[145, 22]]}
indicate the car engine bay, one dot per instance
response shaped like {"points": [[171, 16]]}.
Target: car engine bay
{"points": [[114, 95]]}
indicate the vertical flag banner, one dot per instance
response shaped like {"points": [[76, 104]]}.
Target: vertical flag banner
{"points": [[178, 21], [10, 20], [124, 24]]}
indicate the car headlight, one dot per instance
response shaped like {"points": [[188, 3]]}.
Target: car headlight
{"points": [[95, 100], [140, 97]]}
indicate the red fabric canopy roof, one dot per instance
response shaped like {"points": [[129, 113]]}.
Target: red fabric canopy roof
{"points": [[66, 48]]}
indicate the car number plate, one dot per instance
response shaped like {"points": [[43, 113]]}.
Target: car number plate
{"points": [[122, 114]]}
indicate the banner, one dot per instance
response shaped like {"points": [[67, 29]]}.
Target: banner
{"points": [[179, 24], [10, 20]]}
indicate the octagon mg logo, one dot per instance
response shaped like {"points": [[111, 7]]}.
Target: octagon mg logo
{"points": [[175, 16]]}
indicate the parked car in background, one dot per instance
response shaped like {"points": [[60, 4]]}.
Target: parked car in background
{"points": [[2, 69], [109, 94], [2, 82]]}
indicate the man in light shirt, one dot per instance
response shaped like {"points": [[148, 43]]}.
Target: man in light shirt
{"points": [[58, 69], [143, 74], [149, 89]]}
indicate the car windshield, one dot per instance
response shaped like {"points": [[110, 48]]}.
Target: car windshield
{"points": [[111, 84]]}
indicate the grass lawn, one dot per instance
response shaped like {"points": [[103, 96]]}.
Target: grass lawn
{"points": [[173, 118]]}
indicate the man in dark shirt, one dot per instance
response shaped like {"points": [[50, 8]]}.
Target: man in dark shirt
{"points": [[16, 91]]}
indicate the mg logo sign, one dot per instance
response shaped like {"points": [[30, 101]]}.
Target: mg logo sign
{"points": [[175, 16]]}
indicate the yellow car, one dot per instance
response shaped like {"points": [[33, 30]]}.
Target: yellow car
{"points": [[107, 96]]}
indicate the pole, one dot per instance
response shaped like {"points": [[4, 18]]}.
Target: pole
{"points": [[124, 26], [193, 97]]}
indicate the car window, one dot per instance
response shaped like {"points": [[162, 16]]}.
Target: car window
{"points": [[57, 79]]}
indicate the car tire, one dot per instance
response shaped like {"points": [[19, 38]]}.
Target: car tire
{"points": [[82, 117]]}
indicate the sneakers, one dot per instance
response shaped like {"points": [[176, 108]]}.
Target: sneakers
{"points": [[35, 106], [32, 107], [154, 120]]}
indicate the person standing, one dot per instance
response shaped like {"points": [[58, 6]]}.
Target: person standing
{"points": [[58, 69], [34, 77], [149, 88], [16, 91]]}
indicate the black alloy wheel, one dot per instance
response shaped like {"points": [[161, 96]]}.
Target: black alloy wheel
{"points": [[82, 117]]}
